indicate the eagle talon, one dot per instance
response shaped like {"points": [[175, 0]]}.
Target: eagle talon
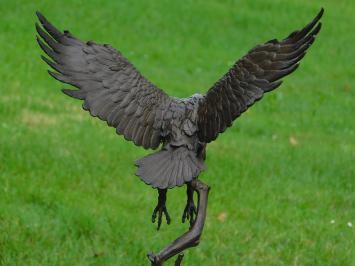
{"points": [[190, 212], [161, 209]]}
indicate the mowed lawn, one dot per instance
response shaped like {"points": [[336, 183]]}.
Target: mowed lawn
{"points": [[282, 178]]}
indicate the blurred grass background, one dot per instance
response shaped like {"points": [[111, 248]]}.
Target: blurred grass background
{"points": [[282, 178]]}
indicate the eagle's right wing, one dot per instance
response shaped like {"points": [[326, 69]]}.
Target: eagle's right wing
{"points": [[259, 71], [111, 87]]}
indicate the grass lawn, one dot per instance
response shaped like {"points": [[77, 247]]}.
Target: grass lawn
{"points": [[282, 178]]}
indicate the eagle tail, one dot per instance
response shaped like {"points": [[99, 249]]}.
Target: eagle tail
{"points": [[169, 168]]}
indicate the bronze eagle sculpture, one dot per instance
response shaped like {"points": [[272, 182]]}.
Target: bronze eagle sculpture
{"points": [[113, 90]]}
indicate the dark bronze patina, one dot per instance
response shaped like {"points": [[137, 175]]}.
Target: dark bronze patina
{"points": [[114, 91]]}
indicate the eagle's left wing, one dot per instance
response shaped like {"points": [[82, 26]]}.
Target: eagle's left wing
{"points": [[111, 87]]}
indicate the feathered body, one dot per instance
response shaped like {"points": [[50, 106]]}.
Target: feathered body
{"points": [[116, 92], [182, 155]]}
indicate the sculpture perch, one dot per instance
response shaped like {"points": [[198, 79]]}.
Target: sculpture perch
{"points": [[114, 91]]}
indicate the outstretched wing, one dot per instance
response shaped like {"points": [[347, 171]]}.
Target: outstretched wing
{"points": [[257, 72], [111, 87]]}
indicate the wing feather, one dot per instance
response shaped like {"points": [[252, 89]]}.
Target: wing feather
{"points": [[259, 71], [111, 87]]}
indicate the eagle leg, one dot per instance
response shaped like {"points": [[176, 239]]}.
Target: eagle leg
{"points": [[192, 237], [160, 209], [190, 211]]}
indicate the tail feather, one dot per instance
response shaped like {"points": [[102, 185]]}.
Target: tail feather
{"points": [[169, 168]]}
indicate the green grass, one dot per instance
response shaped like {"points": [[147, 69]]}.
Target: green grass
{"points": [[278, 176]]}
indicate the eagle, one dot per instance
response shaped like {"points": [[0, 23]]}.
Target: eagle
{"points": [[113, 90]]}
